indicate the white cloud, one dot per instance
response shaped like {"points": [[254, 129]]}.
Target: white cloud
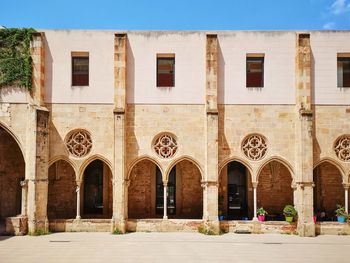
{"points": [[340, 7], [328, 26]]}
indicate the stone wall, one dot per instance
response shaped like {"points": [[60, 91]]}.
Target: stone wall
{"points": [[274, 188], [189, 193], [328, 189], [12, 169], [140, 198], [62, 202]]}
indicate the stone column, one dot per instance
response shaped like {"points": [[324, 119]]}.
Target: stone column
{"points": [[210, 183], [24, 185], [119, 191], [37, 48], [303, 178], [346, 203], [37, 158], [165, 183], [78, 200], [255, 185]]}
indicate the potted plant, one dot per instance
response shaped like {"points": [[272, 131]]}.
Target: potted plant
{"points": [[289, 212], [341, 214], [261, 214]]}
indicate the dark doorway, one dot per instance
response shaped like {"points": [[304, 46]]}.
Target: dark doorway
{"points": [[237, 191], [171, 195], [93, 188]]}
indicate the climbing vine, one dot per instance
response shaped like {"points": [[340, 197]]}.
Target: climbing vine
{"points": [[15, 58]]}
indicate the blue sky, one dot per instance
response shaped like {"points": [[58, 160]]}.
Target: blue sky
{"points": [[177, 14]]}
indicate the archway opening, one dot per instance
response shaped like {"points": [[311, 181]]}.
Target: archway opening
{"points": [[185, 193], [145, 180], [62, 195], [274, 190], [235, 192], [12, 172], [97, 191], [328, 191]]}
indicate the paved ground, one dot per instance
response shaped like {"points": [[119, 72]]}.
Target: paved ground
{"points": [[173, 247]]}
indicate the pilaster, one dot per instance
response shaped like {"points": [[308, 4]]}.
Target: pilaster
{"points": [[119, 188], [210, 184], [37, 49], [303, 193]]}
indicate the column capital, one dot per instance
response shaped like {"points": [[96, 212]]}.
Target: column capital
{"points": [[209, 183], [165, 183], [302, 185], [346, 186], [255, 184]]}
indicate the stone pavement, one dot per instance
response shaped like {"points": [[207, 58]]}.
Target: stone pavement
{"points": [[173, 247]]}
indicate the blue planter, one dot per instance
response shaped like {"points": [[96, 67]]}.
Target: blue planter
{"points": [[221, 218], [341, 219]]}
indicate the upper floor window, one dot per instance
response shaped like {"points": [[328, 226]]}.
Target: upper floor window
{"points": [[255, 71], [80, 69], [343, 70], [165, 70]]}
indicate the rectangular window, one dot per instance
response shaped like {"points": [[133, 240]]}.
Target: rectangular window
{"points": [[255, 71], [343, 71], [80, 69], [165, 70]]}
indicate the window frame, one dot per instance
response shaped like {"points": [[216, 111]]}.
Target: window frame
{"points": [[81, 55], [250, 57], [343, 57], [169, 57]]}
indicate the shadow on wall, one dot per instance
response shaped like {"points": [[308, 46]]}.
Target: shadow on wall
{"points": [[48, 72]]}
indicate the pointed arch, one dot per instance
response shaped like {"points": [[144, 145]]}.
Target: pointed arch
{"points": [[90, 160], [276, 159], [14, 136], [66, 159], [333, 162], [236, 159], [140, 159], [180, 159]]}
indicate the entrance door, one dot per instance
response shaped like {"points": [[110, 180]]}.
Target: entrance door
{"points": [[237, 191]]}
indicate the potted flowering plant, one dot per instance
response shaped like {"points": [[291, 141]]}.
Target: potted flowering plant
{"points": [[341, 214], [261, 214]]}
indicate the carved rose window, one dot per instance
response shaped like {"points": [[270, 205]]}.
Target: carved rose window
{"points": [[165, 145], [79, 143], [254, 147], [342, 148]]}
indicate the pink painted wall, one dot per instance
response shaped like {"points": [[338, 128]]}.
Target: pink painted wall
{"points": [[325, 45], [189, 50]]}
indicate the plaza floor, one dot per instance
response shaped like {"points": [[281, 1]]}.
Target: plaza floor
{"points": [[173, 247]]}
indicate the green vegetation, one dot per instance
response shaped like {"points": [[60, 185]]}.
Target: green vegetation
{"points": [[15, 57]]}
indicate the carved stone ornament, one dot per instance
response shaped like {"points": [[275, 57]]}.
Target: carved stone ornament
{"points": [[79, 143], [254, 147], [165, 145], [342, 148]]}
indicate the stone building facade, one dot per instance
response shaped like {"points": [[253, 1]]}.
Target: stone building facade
{"points": [[100, 143]]}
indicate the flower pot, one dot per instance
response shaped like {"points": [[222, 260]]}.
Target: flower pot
{"points": [[221, 218], [315, 219], [261, 218], [289, 219], [341, 219]]}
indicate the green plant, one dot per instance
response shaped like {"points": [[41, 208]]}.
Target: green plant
{"points": [[40, 232], [206, 230], [261, 211], [340, 211], [289, 211], [15, 57], [117, 231]]}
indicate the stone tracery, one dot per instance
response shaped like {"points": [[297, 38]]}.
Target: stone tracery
{"points": [[165, 145], [79, 143], [342, 148], [254, 147]]}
